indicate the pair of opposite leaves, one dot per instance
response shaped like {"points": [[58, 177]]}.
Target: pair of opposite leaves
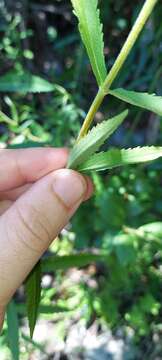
{"points": [[82, 156]]}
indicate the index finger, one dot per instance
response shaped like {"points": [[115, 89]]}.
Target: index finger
{"points": [[19, 167]]}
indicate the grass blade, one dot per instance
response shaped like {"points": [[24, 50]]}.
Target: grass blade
{"points": [[90, 29], [147, 101], [90, 143], [115, 157]]}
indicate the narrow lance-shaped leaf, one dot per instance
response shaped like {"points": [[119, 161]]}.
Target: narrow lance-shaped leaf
{"points": [[116, 157], [65, 262], [90, 143], [150, 102], [33, 293], [4, 118], [13, 330], [90, 29]]}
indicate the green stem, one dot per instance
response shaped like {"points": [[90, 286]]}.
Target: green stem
{"points": [[91, 113], [132, 37]]}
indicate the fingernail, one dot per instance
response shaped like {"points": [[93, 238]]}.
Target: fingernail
{"points": [[69, 186]]}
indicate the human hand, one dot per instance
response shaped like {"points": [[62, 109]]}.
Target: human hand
{"points": [[36, 202]]}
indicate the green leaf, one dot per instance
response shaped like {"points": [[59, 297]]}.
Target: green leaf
{"points": [[152, 231], [124, 246], [4, 118], [90, 143], [149, 102], [117, 157], [33, 294], [154, 228], [52, 309], [65, 262], [13, 330], [90, 29], [44, 309], [24, 82]]}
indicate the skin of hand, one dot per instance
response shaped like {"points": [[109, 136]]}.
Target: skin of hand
{"points": [[38, 196]]}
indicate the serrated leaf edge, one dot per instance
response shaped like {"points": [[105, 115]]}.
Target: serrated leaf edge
{"points": [[88, 165], [90, 143]]}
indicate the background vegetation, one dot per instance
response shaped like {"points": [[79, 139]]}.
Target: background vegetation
{"points": [[106, 267]]}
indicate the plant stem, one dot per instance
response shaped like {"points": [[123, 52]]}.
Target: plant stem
{"points": [[103, 90], [91, 113]]}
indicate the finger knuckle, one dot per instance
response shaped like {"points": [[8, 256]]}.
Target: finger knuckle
{"points": [[33, 227]]}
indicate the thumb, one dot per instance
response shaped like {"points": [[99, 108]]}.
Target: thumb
{"points": [[30, 225]]}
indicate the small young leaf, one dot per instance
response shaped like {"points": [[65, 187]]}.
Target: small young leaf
{"points": [[116, 157], [90, 29], [33, 293], [90, 143], [13, 330], [149, 102]]}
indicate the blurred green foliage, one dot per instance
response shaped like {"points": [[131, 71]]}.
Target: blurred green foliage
{"points": [[119, 231]]}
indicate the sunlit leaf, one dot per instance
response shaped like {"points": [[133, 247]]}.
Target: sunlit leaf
{"points": [[90, 29], [90, 143], [154, 228], [117, 157], [148, 232], [147, 101]]}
